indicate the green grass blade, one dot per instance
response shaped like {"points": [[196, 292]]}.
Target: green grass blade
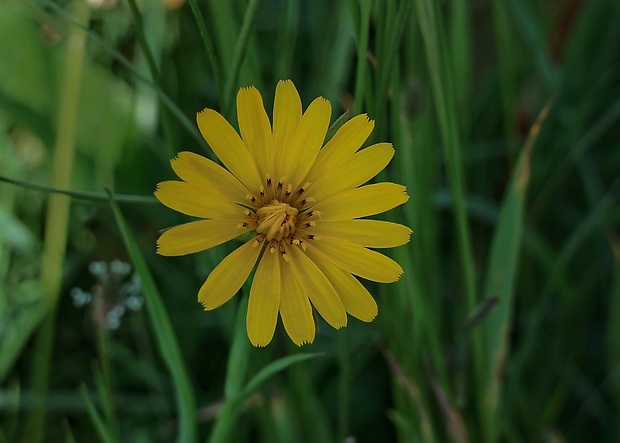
{"points": [[80, 195], [395, 26], [287, 36], [237, 367], [209, 47], [335, 126], [166, 100], [239, 55], [69, 438], [57, 218], [460, 45], [226, 418], [139, 29], [103, 430], [362, 62], [505, 49], [501, 275], [274, 367], [445, 103], [154, 70], [22, 328], [104, 390], [164, 334]]}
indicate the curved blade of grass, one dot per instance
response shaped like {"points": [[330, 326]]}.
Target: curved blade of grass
{"points": [[176, 111], [80, 195], [164, 334], [501, 274], [273, 368], [105, 433], [226, 418]]}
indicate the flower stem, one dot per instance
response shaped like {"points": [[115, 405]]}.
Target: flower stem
{"points": [[57, 219]]}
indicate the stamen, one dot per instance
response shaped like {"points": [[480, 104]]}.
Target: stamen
{"points": [[303, 188], [276, 220]]}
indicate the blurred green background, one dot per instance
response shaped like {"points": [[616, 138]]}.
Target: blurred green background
{"points": [[505, 119]]}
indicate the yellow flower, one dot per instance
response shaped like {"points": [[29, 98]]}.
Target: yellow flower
{"points": [[303, 204]]}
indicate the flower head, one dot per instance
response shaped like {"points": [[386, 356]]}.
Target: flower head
{"points": [[302, 203]]}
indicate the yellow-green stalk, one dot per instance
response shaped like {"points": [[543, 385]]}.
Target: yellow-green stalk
{"points": [[57, 219]]}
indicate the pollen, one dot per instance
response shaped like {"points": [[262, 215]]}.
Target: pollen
{"points": [[276, 220]]}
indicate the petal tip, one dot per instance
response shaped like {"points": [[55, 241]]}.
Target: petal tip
{"points": [[260, 343]]}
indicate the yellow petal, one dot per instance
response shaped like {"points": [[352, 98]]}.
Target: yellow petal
{"points": [[286, 116], [196, 202], [264, 300], [307, 141], [363, 166], [320, 291], [228, 147], [206, 174], [369, 233], [356, 299], [339, 150], [226, 279], [197, 236], [255, 127], [362, 202], [295, 308], [358, 260]]}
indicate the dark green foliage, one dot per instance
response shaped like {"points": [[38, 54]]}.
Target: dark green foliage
{"points": [[505, 118]]}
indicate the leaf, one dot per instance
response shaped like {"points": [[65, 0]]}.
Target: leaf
{"points": [[226, 418], [501, 272], [164, 335], [335, 126], [105, 433]]}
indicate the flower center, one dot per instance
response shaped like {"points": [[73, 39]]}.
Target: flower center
{"points": [[276, 220]]}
